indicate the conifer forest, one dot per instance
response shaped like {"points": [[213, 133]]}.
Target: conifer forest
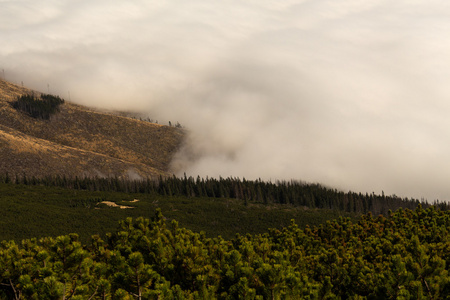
{"points": [[387, 248]]}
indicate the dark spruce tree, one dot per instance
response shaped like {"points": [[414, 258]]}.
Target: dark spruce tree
{"points": [[42, 107]]}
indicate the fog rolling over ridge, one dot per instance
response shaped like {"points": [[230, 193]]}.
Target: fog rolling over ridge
{"points": [[352, 94]]}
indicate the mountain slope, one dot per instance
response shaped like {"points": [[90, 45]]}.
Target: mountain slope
{"points": [[79, 141]]}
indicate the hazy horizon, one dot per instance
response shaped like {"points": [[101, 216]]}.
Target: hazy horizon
{"points": [[348, 94]]}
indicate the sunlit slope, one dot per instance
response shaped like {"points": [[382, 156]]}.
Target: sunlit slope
{"points": [[79, 141]]}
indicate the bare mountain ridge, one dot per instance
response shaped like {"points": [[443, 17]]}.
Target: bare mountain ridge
{"points": [[79, 141]]}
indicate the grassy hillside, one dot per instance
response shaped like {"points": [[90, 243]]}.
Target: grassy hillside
{"points": [[79, 141], [38, 211]]}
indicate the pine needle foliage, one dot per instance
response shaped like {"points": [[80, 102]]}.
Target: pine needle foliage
{"points": [[402, 256]]}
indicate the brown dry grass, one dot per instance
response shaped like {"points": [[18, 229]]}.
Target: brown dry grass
{"points": [[79, 141], [113, 204]]}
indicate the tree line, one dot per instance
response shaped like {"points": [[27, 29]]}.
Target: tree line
{"points": [[292, 192], [402, 256]]}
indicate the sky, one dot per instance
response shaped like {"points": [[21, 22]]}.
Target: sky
{"points": [[347, 93]]}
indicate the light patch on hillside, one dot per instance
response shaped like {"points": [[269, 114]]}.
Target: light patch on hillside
{"points": [[112, 204]]}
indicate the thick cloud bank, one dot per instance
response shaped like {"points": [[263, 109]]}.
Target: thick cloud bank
{"points": [[352, 94]]}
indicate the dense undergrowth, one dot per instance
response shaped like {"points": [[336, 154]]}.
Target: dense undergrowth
{"points": [[403, 256], [38, 211]]}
